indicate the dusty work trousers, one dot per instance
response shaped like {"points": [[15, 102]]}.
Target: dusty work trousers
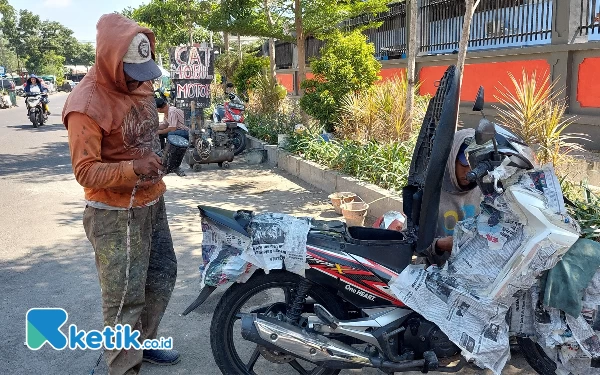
{"points": [[152, 273]]}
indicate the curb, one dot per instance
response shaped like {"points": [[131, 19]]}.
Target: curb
{"points": [[329, 181]]}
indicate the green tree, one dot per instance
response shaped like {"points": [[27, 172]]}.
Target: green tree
{"points": [[52, 64], [226, 64], [347, 64], [8, 58], [87, 55], [250, 68], [41, 45], [174, 22], [289, 19]]}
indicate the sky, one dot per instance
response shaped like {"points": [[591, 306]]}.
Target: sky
{"points": [[78, 15]]}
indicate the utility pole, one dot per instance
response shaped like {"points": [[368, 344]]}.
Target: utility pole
{"points": [[412, 12]]}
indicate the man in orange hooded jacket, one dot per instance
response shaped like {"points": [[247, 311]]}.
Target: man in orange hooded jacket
{"points": [[112, 124]]}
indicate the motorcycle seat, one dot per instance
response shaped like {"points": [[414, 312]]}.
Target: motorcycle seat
{"points": [[231, 219], [389, 248]]}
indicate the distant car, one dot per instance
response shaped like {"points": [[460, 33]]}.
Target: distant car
{"points": [[67, 86], [7, 84]]}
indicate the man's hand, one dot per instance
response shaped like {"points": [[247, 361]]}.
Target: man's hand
{"points": [[444, 244], [150, 166]]}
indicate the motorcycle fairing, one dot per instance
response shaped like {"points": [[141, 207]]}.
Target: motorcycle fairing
{"points": [[355, 279]]}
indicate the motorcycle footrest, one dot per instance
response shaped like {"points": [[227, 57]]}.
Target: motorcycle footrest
{"points": [[326, 316]]}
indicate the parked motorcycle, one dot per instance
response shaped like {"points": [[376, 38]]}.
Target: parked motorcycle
{"points": [[35, 108], [342, 314], [232, 114]]}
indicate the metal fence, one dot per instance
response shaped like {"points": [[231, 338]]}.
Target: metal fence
{"points": [[589, 22], [313, 48], [284, 55], [389, 38], [496, 23]]}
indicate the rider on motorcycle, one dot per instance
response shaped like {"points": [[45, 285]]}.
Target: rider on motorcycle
{"points": [[34, 85], [459, 199]]}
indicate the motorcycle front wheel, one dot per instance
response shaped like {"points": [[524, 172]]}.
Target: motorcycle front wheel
{"points": [[34, 119], [261, 291], [536, 357]]}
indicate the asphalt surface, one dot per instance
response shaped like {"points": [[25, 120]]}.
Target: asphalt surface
{"points": [[46, 260]]}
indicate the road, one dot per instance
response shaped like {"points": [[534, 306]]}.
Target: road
{"points": [[46, 260]]}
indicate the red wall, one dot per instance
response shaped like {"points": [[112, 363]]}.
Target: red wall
{"points": [[390, 73], [286, 80], [588, 85], [488, 75]]}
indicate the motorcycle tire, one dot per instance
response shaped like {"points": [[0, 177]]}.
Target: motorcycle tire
{"points": [[240, 136], [224, 316], [536, 357], [33, 119]]}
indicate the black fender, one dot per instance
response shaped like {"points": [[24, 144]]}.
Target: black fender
{"points": [[442, 146]]}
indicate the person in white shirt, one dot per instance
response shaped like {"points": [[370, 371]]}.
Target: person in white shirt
{"points": [[35, 86], [173, 122]]}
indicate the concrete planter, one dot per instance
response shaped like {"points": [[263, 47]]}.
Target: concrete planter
{"points": [[380, 200]]}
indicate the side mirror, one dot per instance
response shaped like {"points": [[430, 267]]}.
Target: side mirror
{"points": [[479, 102], [486, 131]]}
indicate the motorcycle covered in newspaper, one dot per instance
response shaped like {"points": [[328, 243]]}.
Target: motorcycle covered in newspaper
{"points": [[319, 297]]}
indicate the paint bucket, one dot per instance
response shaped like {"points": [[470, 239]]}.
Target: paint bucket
{"points": [[337, 199], [355, 213], [174, 151]]}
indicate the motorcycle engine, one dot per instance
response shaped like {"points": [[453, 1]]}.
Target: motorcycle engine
{"points": [[221, 139], [421, 336]]}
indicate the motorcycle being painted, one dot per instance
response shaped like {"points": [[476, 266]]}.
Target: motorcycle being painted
{"points": [[320, 297]]}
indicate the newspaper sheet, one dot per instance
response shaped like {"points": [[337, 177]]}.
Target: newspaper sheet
{"points": [[496, 260], [277, 240]]}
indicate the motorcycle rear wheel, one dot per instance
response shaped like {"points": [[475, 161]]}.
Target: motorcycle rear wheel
{"points": [[239, 140], [222, 340]]}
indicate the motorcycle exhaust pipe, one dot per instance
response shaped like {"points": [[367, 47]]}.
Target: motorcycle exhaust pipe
{"points": [[280, 336], [277, 335]]}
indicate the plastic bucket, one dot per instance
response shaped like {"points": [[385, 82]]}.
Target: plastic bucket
{"points": [[174, 151], [355, 213], [337, 199]]}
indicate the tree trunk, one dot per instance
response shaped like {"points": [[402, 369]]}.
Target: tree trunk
{"points": [[471, 5], [273, 71], [412, 57], [226, 41], [272, 58], [240, 47], [300, 40]]}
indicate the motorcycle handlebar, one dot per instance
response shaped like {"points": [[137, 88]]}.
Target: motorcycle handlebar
{"points": [[480, 171]]}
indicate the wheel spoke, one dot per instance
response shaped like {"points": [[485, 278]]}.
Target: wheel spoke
{"points": [[298, 367], [253, 359]]}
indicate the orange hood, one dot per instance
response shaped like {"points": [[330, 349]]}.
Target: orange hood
{"points": [[102, 93]]}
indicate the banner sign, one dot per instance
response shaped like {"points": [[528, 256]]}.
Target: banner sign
{"points": [[192, 71]]}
